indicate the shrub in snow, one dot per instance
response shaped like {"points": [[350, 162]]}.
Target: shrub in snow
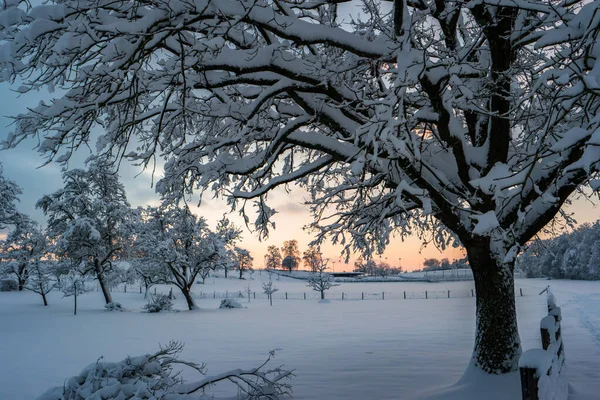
{"points": [[230, 303], [8, 285], [158, 303], [151, 376], [114, 306]]}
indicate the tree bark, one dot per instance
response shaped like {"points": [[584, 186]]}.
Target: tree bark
{"points": [[43, 293], [497, 345], [100, 276], [322, 295], [188, 298]]}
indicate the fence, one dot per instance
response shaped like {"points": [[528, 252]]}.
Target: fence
{"points": [[313, 295], [543, 372]]}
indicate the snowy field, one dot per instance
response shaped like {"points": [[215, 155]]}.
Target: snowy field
{"points": [[351, 349]]}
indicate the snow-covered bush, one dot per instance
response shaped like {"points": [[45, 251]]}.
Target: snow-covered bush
{"points": [[8, 285], [151, 376], [158, 303], [114, 306], [230, 303]]}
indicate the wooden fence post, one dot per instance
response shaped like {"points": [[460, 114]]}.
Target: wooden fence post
{"points": [[255, 295], [140, 289], [214, 295], [448, 294], [382, 295], [405, 295], [125, 288], [155, 291], [426, 294], [304, 295], [529, 384], [342, 295], [472, 293], [521, 290], [362, 295], [286, 295]]}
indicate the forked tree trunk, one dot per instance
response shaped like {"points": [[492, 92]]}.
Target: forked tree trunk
{"points": [[100, 277], [188, 298], [497, 345]]}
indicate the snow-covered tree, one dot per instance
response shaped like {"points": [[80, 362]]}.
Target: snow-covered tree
{"points": [[320, 281], [268, 289], [273, 257], [243, 260], [181, 243], [573, 255], [87, 219], [9, 195], [73, 284], [230, 234], [474, 120], [23, 248], [41, 278]]}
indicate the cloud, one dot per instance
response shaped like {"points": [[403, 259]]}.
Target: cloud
{"points": [[292, 207]]}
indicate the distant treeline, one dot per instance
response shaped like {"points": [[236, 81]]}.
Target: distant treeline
{"points": [[574, 255]]}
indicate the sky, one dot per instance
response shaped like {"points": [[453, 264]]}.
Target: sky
{"points": [[22, 165]]}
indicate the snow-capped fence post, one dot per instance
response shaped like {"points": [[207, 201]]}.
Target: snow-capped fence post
{"points": [[543, 371]]}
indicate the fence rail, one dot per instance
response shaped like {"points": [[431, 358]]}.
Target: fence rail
{"points": [[543, 371], [312, 295]]}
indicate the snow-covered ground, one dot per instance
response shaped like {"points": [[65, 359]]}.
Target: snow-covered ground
{"points": [[350, 349]]}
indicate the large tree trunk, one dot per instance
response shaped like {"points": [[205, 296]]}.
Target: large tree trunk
{"points": [[100, 276], [241, 272], [188, 298], [225, 272], [497, 344]]}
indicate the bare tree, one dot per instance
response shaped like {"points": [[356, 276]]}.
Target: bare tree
{"points": [[320, 281], [273, 258], [471, 122], [312, 258], [269, 289]]}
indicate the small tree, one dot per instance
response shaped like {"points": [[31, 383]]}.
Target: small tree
{"points": [[320, 281], [41, 278], [273, 258], [269, 289], [74, 285]]}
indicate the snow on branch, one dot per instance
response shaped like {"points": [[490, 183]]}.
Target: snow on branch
{"points": [[153, 376]]}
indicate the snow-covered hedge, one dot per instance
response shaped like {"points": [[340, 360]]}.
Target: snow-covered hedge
{"points": [[114, 306], [230, 303], [549, 363], [158, 303], [152, 376], [8, 285]]}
